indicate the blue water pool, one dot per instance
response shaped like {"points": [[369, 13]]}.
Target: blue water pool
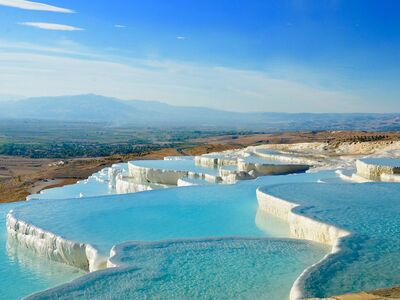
{"points": [[22, 272], [95, 185], [369, 211], [85, 188], [259, 160], [185, 212], [219, 268], [382, 161], [190, 212], [268, 151]]}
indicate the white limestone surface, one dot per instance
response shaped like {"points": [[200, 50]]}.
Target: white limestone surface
{"points": [[23, 271], [112, 176], [125, 185], [227, 170], [227, 167], [196, 179], [186, 181], [170, 171], [54, 247], [351, 176], [293, 158], [162, 176], [390, 177], [183, 157], [373, 168], [217, 159], [266, 168], [300, 226]]}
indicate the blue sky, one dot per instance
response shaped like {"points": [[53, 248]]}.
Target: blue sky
{"points": [[294, 56]]}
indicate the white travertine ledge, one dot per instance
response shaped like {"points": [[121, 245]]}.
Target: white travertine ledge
{"points": [[269, 169], [213, 160], [267, 153], [390, 177], [113, 173], [126, 185], [183, 157], [352, 178], [300, 226], [145, 175], [381, 169], [359, 221], [49, 245], [304, 228]]}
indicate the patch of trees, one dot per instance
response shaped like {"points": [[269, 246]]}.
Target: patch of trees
{"points": [[370, 138], [69, 150]]}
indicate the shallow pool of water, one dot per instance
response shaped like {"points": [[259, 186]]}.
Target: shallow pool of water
{"points": [[189, 212], [95, 185], [22, 272], [259, 160], [185, 212], [370, 256], [382, 161], [220, 268]]}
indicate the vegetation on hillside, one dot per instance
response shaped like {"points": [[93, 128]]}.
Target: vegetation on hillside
{"points": [[50, 139]]}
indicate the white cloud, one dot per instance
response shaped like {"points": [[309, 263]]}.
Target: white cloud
{"points": [[181, 38], [61, 46], [172, 82], [30, 5], [51, 26], [119, 26]]}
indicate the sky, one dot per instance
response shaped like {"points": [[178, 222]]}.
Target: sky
{"points": [[237, 55]]}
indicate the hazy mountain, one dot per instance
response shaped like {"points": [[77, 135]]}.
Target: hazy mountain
{"points": [[94, 108], [67, 108]]}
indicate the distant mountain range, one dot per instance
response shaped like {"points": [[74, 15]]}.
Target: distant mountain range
{"points": [[100, 109]]}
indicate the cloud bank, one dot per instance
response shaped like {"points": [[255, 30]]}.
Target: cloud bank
{"points": [[177, 83], [51, 26], [30, 5]]}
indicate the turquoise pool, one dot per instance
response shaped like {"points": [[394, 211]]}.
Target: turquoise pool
{"points": [[370, 256], [22, 272], [219, 268], [259, 160], [200, 212], [382, 161], [184, 212], [95, 185]]}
